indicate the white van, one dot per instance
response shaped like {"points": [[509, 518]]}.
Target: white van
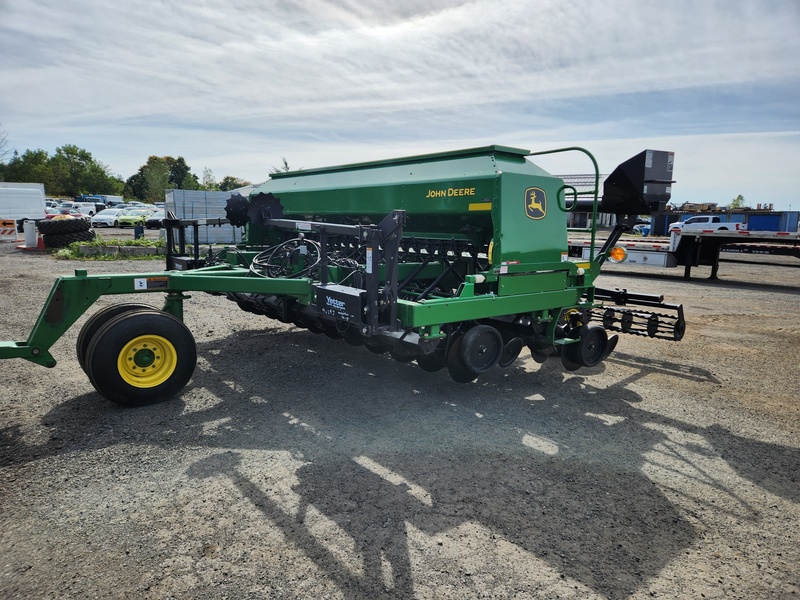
{"points": [[21, 203]]}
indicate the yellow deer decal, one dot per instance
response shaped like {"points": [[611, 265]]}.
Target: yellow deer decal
{"points": [[535, 207]]}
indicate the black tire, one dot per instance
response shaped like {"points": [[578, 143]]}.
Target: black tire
{"points": [[401, 354], [455, 363], [97, 320], [141, 357], [432, 362], [588, 351], [61, 226], [481, 348], [53, 240]]}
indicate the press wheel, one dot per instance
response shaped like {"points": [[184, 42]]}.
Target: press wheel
{"points": [[588, 351], [455, 364], [481, 348]]}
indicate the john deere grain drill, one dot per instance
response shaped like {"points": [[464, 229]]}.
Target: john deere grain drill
{"points": [[456, 260]]}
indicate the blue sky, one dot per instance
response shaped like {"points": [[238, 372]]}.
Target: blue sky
{"points": [[234, 85]]}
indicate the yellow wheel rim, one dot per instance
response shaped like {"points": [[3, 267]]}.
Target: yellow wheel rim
{"points": [[147, 361]]}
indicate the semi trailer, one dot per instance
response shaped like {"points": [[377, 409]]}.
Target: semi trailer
{"points": [[457, 261]]}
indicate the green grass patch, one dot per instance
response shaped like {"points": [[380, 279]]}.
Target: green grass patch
{"points": [[105, 249]]}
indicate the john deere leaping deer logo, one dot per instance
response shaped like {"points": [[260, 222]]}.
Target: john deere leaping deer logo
{"points": [[535, 203]]}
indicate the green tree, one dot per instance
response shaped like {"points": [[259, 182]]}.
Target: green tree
{"points": [[156, 178], [32, 166], [189, 182], [69, 166], [208, 182], [135, 185], [229, 183], [144, 184], [737, 202], [180, 175], [97, 179]]}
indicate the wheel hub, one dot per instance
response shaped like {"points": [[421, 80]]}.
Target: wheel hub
{"points": [[147, 361]]}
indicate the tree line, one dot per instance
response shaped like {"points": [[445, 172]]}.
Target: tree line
{"points": [[72, 171]]}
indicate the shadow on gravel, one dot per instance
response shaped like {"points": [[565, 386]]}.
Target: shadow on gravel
{"points": [[779, 474], [543, 460], [647, 366]]}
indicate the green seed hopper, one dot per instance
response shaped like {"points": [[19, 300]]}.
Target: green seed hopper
{"points": [[455, 260]]}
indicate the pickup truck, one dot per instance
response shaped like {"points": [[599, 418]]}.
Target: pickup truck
{"points": [[705, 223]]}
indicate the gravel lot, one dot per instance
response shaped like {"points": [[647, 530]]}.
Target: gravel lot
{"points": [[295, 466]]}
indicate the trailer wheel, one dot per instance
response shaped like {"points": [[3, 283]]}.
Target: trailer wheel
{"points": [[97, 320], [141, 357], [481, 348]]}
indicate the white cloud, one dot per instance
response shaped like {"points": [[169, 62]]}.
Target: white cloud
{"points": [[234, 85]]}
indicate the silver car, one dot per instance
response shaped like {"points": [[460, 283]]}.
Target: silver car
{"points": [[107, 217]]}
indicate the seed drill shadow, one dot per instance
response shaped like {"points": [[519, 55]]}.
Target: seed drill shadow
{"points": [[530, 457]]}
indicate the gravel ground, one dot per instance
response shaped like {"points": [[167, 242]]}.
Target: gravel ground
{"points": [[295, 466]]}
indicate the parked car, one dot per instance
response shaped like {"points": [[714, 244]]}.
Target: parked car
{"points": [[132, 217], [87, 208], [107, 218], [705, 223], [68, 213], [154, 221]]}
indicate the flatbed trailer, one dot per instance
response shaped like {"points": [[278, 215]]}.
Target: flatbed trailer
{"points": [[696, 248]]}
